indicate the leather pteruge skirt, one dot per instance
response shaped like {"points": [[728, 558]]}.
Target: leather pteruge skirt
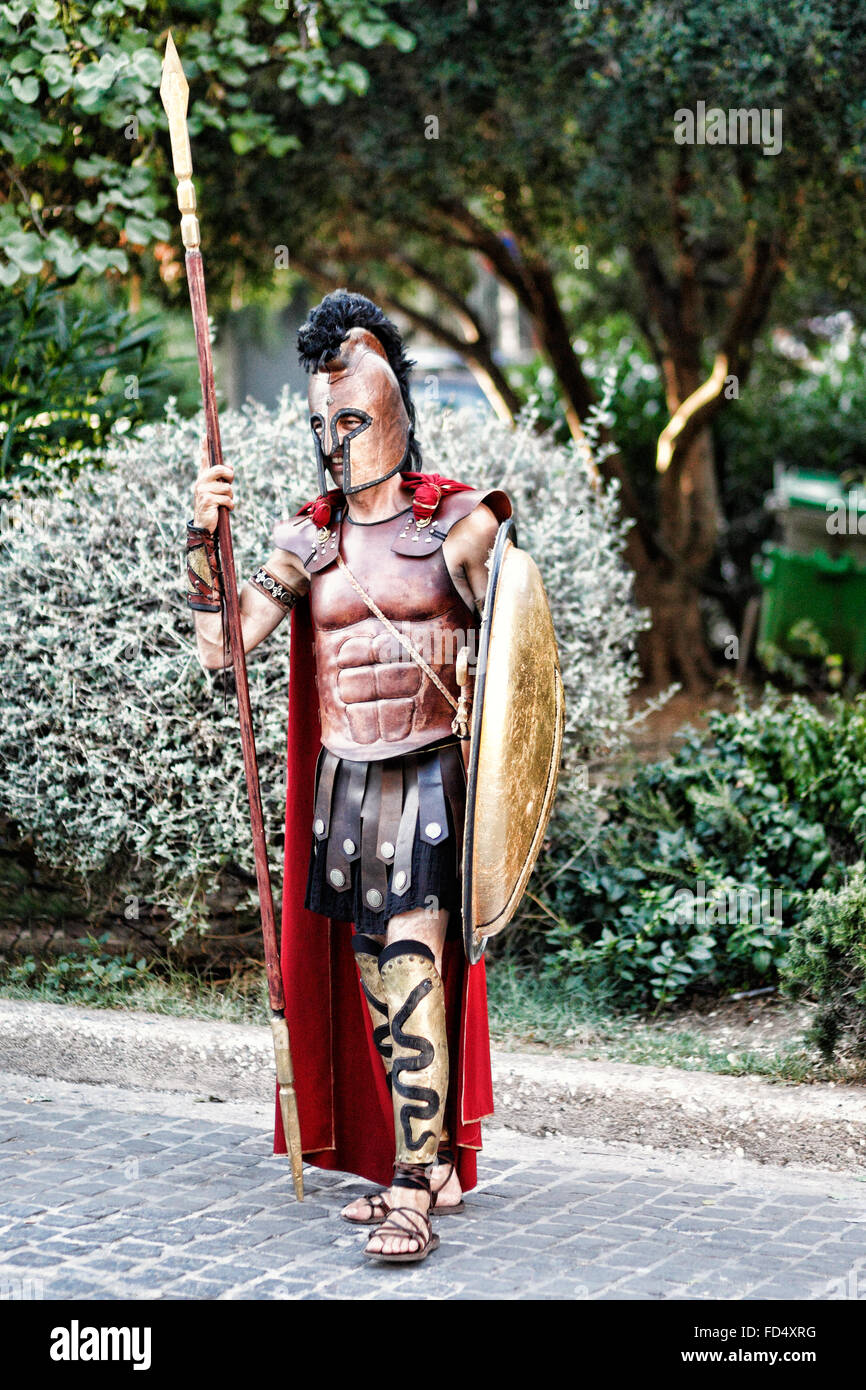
{"points": [[387, 837]]}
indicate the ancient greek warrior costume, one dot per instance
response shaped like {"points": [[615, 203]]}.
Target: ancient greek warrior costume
{"points": [[386, 1052]]}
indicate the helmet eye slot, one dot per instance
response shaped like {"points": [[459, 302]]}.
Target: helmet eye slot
{"points": [[348, 413]]}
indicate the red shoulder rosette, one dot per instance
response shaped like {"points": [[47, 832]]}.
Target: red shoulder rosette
{"points": [[320, 509], [428, 490]]}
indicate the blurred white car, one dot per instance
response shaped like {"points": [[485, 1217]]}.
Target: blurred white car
{"points": [[441, 377]]}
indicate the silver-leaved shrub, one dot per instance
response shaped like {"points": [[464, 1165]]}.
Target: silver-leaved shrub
{"points": [[118, 757]]}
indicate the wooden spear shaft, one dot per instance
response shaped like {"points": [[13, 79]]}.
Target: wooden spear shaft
{"points": [[174, 91]]}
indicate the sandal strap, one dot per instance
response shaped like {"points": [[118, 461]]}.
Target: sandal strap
{"points": [[378, 1204], [392, 1227], [415, 1176], [378, 1208]]}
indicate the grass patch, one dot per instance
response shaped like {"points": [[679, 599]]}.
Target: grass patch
{"points": [[526, 1009], [99, 979], [525, 1013], [791, 1061]]}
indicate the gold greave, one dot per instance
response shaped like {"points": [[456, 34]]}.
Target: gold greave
{"points": [[367, 950], [419, 1070]]}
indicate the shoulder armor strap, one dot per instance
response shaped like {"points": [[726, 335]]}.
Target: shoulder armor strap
{"points": [[301, 538], [413, 539]]}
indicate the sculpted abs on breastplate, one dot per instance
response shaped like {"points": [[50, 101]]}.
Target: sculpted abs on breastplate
{"points": [[374, 701]]}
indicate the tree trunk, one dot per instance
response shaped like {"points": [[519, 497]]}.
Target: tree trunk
{"points": [[668, 584]]}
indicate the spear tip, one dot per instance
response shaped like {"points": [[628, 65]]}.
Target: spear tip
{"points": [[174, 88]]}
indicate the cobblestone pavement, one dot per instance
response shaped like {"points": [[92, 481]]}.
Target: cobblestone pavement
{"points": [[110, 1197]]}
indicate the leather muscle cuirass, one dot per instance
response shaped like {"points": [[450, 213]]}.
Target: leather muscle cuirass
{"points": [[374, 700]]}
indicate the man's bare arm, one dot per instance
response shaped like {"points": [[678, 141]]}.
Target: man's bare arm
{"points": [[260, 611], [260, 614], [466, 550]]}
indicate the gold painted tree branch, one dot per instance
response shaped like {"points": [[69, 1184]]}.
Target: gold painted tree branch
{"points": [[765, 265]]}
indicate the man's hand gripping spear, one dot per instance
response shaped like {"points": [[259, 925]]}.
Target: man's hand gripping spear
{"points": [[174, 91]]}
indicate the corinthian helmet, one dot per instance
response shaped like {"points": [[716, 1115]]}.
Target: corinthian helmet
{"points": [[357, 415], [361, 411]]}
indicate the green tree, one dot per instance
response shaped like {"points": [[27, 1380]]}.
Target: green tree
{"points": [[85, 183], [81, 144], [540, 138], [70, 373]]}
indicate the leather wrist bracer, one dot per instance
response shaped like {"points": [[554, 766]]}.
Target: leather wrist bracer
{"points": [[264, 581], [203, 569]]}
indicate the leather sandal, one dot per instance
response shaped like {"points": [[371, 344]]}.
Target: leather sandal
{"points": [[447, 1208], [445, 1160], [401, 1223], [380, 1209]]}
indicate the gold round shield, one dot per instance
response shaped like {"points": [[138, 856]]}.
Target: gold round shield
{"points": [[516, 742]]}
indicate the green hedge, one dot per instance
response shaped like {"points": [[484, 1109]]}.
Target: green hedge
{"points": [[707, 860], [120, 760], [827, 959]]}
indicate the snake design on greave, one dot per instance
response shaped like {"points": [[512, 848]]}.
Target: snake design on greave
{"points": [[381, 1033], [429, 1098]]}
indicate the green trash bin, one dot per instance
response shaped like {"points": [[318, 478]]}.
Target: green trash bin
{"points": [[830, 593]]}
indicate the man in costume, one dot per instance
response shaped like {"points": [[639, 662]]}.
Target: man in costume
{"points": [[385, 575]]}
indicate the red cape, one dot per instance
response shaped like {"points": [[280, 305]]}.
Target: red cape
{"points": [[344, 1105]]}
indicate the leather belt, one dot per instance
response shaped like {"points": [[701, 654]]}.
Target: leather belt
{"points": [[390, 811], [344, 841], [328, 764], [431, 800], [454, 784], [401, 873], [374, 875]]}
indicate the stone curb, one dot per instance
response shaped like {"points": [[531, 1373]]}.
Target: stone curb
{"points": [[818, 1125]]}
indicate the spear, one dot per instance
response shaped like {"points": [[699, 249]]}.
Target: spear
{"points": [[174, 90]]}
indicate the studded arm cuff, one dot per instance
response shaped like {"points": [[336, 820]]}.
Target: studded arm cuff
{"points": [[203, 569], [265, 582]]}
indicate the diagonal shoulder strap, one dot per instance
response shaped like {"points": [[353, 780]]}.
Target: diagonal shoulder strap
{"points": [[410, 648]]}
